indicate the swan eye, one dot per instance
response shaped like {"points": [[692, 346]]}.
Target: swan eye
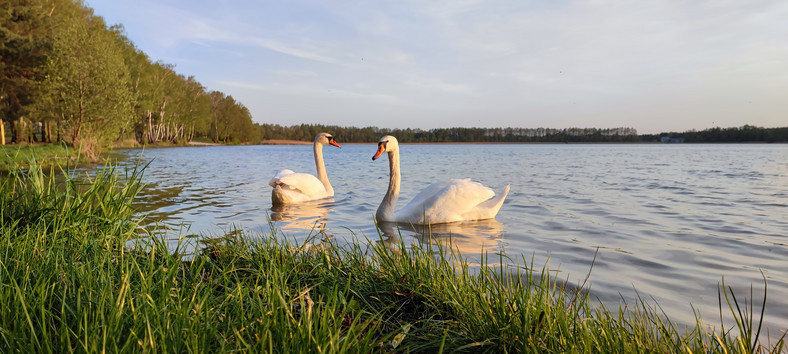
{"points": [[383, 143]]}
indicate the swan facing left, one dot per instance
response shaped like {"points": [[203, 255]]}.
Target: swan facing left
{"points": [[290, 187], [441, 202]]}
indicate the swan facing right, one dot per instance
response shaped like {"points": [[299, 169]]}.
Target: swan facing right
{"points": [[441, 202]]}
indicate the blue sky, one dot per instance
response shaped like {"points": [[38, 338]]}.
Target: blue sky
{"points": [[651, 65]]}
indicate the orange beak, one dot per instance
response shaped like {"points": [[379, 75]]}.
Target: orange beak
{"points": [[335, 143], [381, 149]]}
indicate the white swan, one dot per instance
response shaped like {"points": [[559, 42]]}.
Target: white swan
{"points": [[441, 202], [291, 187]]}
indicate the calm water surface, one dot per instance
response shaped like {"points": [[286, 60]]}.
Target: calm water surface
{"points": [[670, 221]]}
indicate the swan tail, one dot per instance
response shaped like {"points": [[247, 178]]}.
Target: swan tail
{"points": [[279, 196], [491, 206], [284, 194]]}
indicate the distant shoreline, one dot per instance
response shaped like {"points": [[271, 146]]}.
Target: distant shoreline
{"points": [[299, 142], [284, 142], [134, 145], [197, 143]]}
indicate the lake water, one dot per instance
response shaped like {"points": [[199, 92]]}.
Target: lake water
{"points": [[670, 222]]}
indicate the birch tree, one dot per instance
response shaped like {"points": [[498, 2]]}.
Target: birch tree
{"points": [[87, 79]]}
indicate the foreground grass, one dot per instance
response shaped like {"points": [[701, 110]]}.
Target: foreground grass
{"points": [[69, 283]]}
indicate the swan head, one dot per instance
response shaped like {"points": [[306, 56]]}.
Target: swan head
{"points": [[326, 139], [387, 143]]}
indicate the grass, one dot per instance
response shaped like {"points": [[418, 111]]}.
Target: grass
{"points": [[19, 156], [69, 283]]}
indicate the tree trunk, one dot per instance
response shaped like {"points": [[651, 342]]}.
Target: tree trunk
{"points": [[179, 133], [160, 136], [46, 133], [159, 131], [150, 127], [215, 128], [75, 135], [18, 130], [37, 127], [12, 130]]}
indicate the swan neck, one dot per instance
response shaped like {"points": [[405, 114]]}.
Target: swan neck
{"points": [[386, 209], [321, 168]]}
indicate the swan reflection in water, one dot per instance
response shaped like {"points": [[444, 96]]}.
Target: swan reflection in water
{"points": [[469, 237], [309, 215]]}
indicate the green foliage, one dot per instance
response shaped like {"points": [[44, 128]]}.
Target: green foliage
{"points": [[61, 66], [23, 51], [33, 199], [87, 80], [232, 121]]}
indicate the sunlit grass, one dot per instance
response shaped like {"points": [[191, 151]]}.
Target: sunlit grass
{"points": [[69, 283], [20, 156]]}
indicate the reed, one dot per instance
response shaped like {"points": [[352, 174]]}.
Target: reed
{"points": [[68, 283]]}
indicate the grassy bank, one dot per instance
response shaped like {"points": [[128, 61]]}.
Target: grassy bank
{"points": [[68, 282], [19, 156]]}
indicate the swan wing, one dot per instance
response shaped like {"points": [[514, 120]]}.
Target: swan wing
{"points": [[273, 182], [449, 201], [431, 191], [295, 187]]}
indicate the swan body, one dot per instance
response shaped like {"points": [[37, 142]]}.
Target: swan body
{"points": [[291, 187], [441, 202]]}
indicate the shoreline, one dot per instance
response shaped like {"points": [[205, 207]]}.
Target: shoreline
{"points": [[284, 142], [299, 142]]}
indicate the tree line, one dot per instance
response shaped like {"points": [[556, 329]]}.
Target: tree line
{"points": [[67, 76], [306, 132], [743, 134]]}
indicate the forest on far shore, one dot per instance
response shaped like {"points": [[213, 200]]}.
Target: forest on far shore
{"points": [[306, 132]]}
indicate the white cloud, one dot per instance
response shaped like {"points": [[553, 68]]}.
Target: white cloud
{"points": [[285, 49], [295, 73], [244, 85]]}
